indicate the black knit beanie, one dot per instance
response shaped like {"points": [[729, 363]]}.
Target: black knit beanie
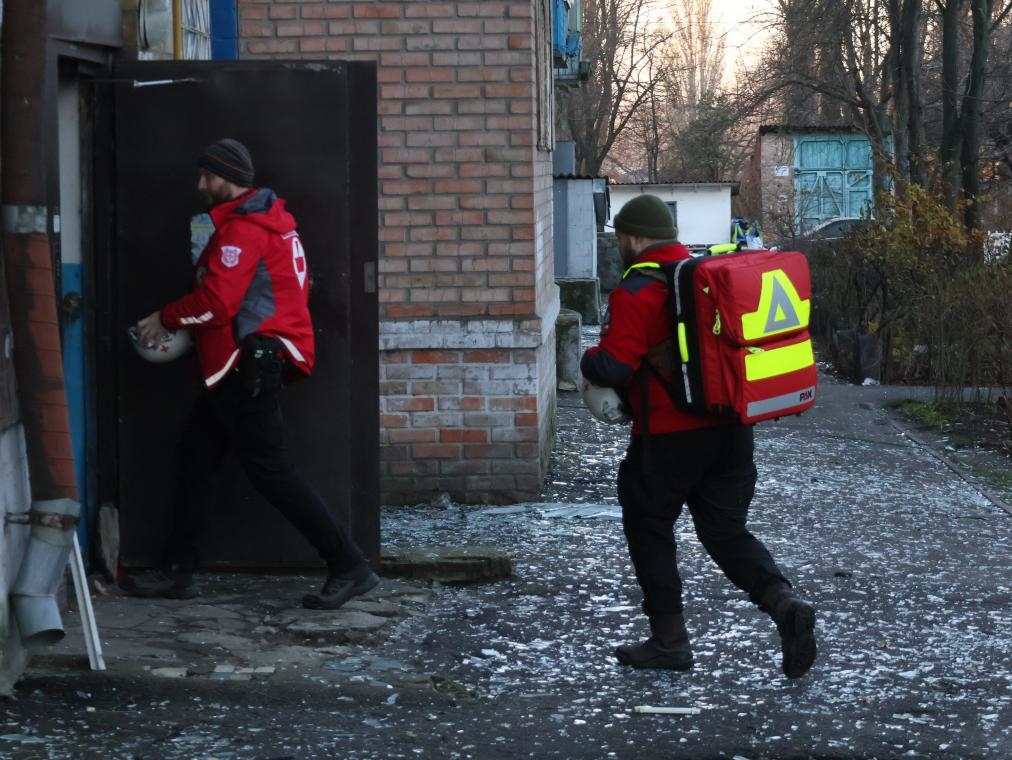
{"points": [[230, 160], [646, 216]]}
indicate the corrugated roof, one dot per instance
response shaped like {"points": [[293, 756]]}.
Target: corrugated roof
{"points": [[768, 128], [673, 182]]}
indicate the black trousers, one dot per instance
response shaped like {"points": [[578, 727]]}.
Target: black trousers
{"points": [[225, 417], [712, 471]]}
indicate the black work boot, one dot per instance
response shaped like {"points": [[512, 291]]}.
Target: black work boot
{"points": [[795, 619], [667, 648], [166, 584], [340, 587]]}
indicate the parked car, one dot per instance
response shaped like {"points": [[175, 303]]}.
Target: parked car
{"points": [[825, 232]]}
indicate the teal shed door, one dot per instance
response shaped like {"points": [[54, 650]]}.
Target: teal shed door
{"points": [[832, 177]]}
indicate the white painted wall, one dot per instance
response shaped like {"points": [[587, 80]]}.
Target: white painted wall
{"points": [[582, 229], [704, 209]]}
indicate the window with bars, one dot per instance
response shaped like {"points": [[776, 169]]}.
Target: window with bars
{"points": [[195, 30]]}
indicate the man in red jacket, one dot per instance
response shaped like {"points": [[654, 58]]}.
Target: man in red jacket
{"points": [[676, 458], [249, 314]]}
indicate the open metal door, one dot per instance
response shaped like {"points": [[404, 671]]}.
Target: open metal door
{"points": [[311, 129]]}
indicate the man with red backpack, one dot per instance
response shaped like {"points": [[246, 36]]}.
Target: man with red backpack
{"points": [[249, 313], [676, 458]]}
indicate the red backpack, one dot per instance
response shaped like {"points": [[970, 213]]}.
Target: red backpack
{"points": [[741, 343]]}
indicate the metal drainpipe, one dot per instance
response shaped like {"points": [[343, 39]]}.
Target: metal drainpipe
{"points": [[27, 253], [38, 358], [177, 29]]}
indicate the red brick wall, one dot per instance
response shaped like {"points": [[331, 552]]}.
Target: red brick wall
{"points": [[467, 294], [37, 356]]}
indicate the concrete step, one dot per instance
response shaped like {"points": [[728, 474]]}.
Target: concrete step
{"points": [[447, 564]]}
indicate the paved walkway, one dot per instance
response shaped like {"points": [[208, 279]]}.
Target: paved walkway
{"points": [[909, 565]]}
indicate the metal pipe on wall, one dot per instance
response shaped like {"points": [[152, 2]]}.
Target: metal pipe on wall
{"points": [[177, 29], [27, 251]]}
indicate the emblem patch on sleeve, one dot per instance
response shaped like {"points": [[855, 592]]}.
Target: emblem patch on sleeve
{"points": [[230, 255]]}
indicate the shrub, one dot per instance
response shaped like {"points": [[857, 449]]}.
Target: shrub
{"points": [[915, 278]]}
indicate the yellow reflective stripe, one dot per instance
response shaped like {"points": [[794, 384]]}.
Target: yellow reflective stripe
{"points": [[683, 343], [644, 265], [761, 364]]}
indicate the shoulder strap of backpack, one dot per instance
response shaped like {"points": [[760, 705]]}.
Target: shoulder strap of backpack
{"points": [[667, 274]]}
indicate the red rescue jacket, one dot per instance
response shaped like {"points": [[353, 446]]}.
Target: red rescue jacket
{"points": [[636, 322], [251, 278]]}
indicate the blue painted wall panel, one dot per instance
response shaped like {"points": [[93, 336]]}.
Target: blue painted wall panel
{"points": [[75, 379], [224, 30]]}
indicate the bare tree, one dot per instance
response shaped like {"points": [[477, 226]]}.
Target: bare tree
{"points": [[906, 21], [882, 46], [970, 118], [624, 43], [666, 132], [827, 65], [696, 51], [637, 153]]}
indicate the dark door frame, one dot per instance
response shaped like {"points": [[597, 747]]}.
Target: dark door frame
{"points": [[356, 329], [86, 64]]}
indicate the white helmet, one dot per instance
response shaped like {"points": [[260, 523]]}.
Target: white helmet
{"points": [[603, 403], [174, 345]]}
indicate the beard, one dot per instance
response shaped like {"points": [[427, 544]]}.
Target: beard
{"points": [[626, 251], [213, 199]]}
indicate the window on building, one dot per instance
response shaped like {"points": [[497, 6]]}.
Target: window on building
{"points": [[673, 208], [544, 80], [195, 30]]}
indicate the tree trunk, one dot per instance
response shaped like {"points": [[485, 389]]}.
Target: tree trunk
{"points": [[972, 107], [949, 150], [897, 69], [912, 24]]}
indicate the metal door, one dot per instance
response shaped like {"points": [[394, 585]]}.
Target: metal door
{"points": [[311, 129], [832, 178]]}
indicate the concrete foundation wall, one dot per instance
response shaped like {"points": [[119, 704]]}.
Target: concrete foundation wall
{"points": [[609, 261]]}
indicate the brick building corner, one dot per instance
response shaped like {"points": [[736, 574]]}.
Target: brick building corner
{"points": [[468, 300]]}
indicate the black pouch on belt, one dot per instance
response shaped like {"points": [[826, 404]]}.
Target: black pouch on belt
{"points": [[261, 364]]}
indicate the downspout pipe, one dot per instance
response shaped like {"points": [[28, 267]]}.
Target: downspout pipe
{"points": [[38, 358], [33, 596], [28, 252]]}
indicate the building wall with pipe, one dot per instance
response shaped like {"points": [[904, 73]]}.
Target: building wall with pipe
{"points": [[36, 459], [14, 493], [15, 497]]}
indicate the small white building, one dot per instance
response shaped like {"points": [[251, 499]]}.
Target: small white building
{"points": [[702, 210]]}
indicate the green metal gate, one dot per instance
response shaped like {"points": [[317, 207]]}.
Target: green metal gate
{"points": [[832, 178]]}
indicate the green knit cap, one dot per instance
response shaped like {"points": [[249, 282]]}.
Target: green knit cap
{"points": [[646, 216]]}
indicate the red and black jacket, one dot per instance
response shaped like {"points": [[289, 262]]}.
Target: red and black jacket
{"points": [[251, 278], [637, 325]]}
